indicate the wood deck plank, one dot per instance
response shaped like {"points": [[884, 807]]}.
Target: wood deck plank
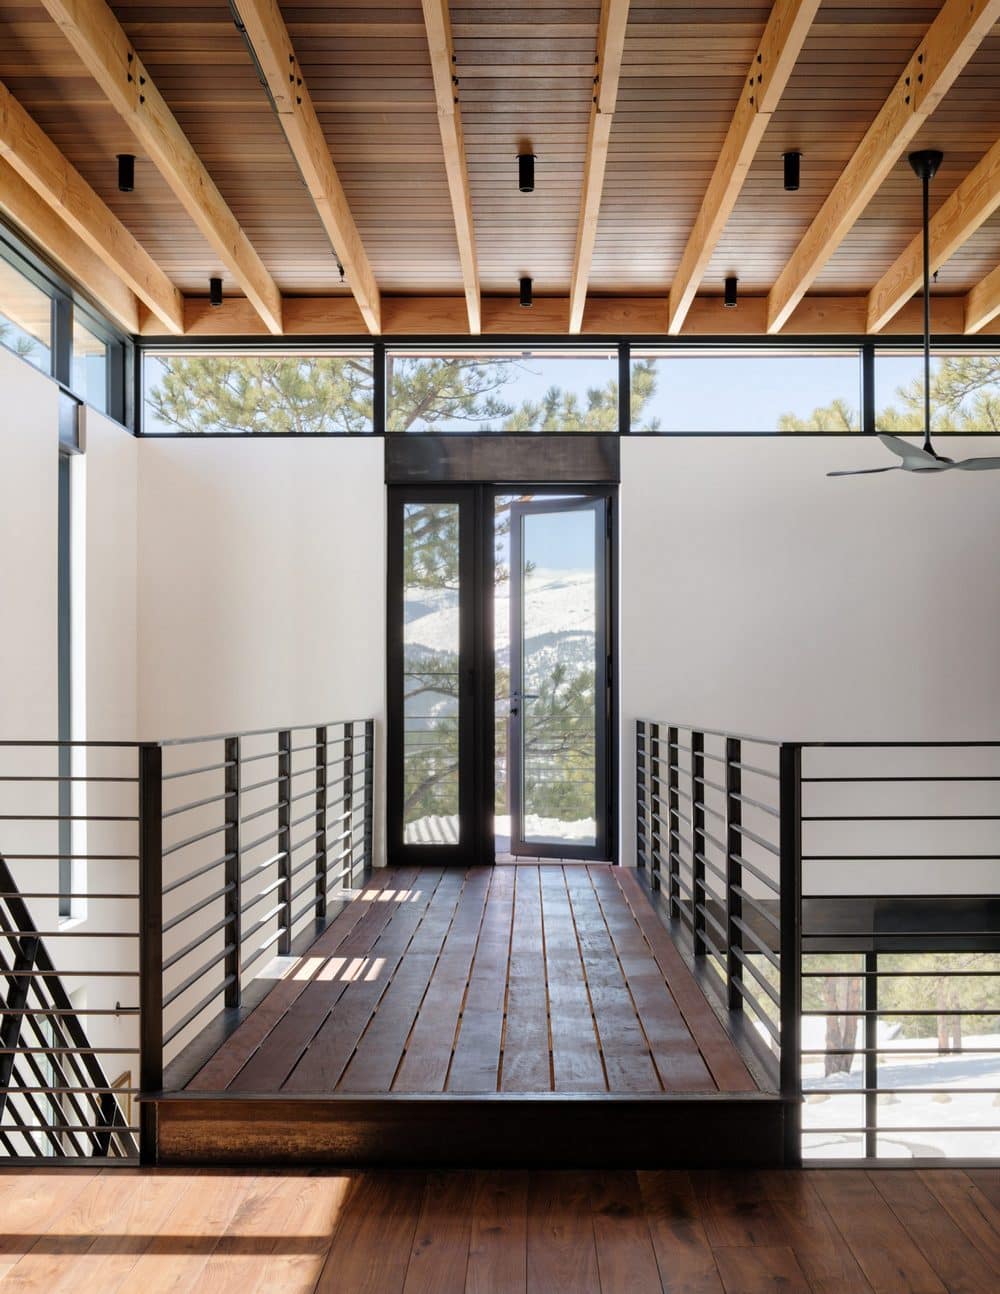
{"points": [[475, 1065], [576, 1056], [525, 1066]]}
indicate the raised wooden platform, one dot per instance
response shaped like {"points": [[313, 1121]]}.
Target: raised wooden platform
{"points": [[489, 1016]]}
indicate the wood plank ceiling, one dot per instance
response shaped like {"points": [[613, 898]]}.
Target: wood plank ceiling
{"points": [[525, 81]]}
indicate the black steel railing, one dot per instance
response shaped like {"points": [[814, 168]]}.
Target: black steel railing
{"points": [[186, 867], [806, 882]]}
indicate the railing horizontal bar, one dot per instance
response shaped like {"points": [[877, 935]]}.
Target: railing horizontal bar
{"points": [[758, 943], [769, 917], [710, 866], [769, 989], [255, 759], [897, 745], [194, 840], [713, 948], [55, 974], [79, 1091], [41, 1011], [902, 817], [758, 1011], [297, 844], [757, 804], [890, 858], [754, 870], [305, 817], [747, 834], [224, 736], [301, 772], [56, 777], [716, 732], [261, 840], [67, 817], [713, 840], [707, 808], [68, 1129], [894, 1013], [195, 976], [905, 777], [257, 786], [194, 804], [965, 933], [896, 1091], [305, 910], [72, 858], [69, 934], [713, 786], [196, 1011], [713, 921], [262, 922], [68, 1051], [259, 813], [60, 745], [271, 939], [193, 772], [265, 890], [62, 894], [198, 907], [197, 942], [302, 864], [761, 772], [895, 974], [310, 883], [199, 871], [898, 1051]]}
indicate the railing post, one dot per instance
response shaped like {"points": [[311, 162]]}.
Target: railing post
{"points": [[348, 790], [369, 850], [734, 872], [698, 895], [673, 850], [150, 941], [790, 881], [233, 873], [871, 1053], [285, 841], [321, 858], [653, 803]]}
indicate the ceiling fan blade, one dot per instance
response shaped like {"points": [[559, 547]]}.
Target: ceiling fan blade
{"points": [[904, 449], [866, 471], [979, 464]]}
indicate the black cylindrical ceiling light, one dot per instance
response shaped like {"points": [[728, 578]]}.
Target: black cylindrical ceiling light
{"points": [[729, 299], [526, 297], [793, 166], [526, 172], [215, 292], [126, 172]]}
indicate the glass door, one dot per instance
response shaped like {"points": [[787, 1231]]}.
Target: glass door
{"points": [[558, 705], [432, 771]]}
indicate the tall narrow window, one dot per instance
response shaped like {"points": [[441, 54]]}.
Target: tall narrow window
{"points": [[65, 703], [90, 365], [25, 318]]}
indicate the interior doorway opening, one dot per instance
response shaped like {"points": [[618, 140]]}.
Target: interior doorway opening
{"points": [[500, 679]]}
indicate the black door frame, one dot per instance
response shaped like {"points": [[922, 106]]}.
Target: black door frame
{"points": [[477, 704]]}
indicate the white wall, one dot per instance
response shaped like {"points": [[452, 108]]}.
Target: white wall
{"points": [[760, 596], [29, 447], [261, 584]]}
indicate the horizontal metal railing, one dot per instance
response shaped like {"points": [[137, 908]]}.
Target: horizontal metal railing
{"points": [[780, 862], [165, 877]]}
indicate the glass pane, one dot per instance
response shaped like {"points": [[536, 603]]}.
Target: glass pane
{"points": [[90, 366], [509, 391], [965, 391], [559, 646], [431, 629], [746, 390], [25, 318], [270, 394]]}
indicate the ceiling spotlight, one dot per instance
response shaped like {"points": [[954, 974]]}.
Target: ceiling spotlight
{"points": [[730, 298], [126, 172], [215, 292], [526, 172], [526, 297], [792, 163]]}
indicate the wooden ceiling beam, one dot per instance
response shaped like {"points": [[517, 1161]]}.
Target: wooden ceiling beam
{"points": [[949, 43], [604, 317], [610, 48], [437, 23], [26, 147], [770, 69], [954, 223], [272, 46], [982, 305], [44, 226], [97, 37]]}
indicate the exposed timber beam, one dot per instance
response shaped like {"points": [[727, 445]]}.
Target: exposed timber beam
{"points": [[953, 224], [272, 46], [982, 305], [108, 54], [20, 202], [947, 46], [26, 147], [604, 317], [610, 47], [770, 68], [437, 23]]}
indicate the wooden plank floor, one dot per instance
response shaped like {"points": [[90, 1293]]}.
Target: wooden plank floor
{"points": [[811, 1232], [527, 979]]}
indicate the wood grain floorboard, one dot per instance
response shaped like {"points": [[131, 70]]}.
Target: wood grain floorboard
{"points": [[153, 1231]]}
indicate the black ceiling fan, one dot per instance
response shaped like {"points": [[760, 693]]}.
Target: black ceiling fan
{"points": [[917, 458]]}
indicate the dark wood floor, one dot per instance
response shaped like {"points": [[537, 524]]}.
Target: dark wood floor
{"points": [[536, 979], [814, 1232]]}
